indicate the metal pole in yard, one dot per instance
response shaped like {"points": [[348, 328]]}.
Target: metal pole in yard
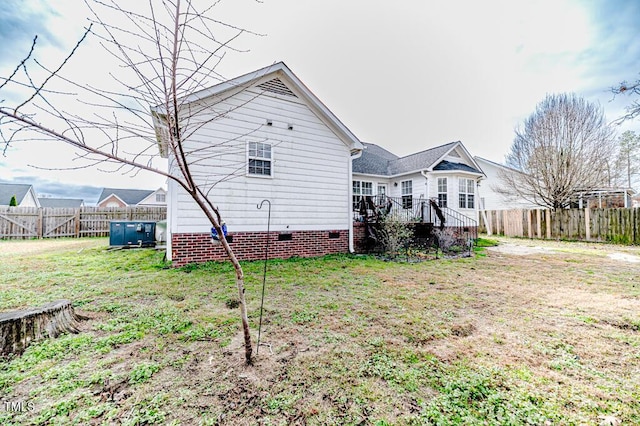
{"points": [[264, 273]]}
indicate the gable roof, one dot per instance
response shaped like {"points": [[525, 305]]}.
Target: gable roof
{"points": [[276, 78], [378, 161], [128, 196], [421, 160], [8, 190], [60, 202], [151, 198]]}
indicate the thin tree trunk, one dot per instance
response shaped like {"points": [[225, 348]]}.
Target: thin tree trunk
{"points": [[213, 215], [248, 350]]}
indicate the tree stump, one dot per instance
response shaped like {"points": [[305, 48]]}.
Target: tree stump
{"points": [[19, 328]]}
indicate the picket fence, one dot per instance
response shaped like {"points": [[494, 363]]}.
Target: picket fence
{"points": [[34, 222], [620, 226]]}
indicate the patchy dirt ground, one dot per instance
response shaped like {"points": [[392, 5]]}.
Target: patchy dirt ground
{"points": [[526, 247], [531, 331]]}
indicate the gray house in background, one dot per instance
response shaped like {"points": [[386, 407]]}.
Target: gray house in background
{"points": [[24, 193], [61, 202], [116, 197]]}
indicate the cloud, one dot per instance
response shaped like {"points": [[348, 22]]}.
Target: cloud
{"points": [[47, 187], [20, 21]]}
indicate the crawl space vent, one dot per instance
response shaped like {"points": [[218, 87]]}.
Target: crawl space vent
{"points": [[276, 86]]}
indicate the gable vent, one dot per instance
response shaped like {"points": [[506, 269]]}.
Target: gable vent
{"points": [[276, 86]]}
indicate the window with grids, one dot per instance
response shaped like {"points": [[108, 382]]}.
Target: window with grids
{"points": [[442, 192], [360, 191], [466, 193], [260, 159], [407, 194]]}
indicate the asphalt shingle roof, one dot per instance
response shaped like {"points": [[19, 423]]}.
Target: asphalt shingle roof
{"points": [[129, 196], [374, 160], [447, 165], [378, 161], [8, 190], [60, 202], [420, 160]]}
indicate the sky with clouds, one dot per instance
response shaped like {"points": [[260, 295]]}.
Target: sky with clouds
{"points": [[407, 75]]}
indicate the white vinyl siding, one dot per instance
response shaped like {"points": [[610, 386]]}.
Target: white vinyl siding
{"points": [[310, 187], [489, 189]]}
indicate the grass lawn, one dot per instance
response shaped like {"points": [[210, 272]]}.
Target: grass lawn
{"points": [[547, 337]]}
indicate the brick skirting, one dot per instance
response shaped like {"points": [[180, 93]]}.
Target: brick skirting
{"points": [[197, 247], [359, 242]]}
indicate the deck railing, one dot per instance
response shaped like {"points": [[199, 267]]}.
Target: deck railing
{"points": [[413, 210]]}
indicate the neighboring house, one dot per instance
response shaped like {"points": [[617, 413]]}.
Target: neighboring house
{"points": [[114, 197], [491, 196], [272, 139], [447, 174], [24, 193], [635, 201], [60, 202]]}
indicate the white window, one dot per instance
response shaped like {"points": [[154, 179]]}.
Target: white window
{"points": [[466, 193], [442, 192], [161, 198], [382, 190], [260, 159], [407, 194], [361, 190]]}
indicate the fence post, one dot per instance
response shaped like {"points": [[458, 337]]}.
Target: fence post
{"points": [[77, 222], [530, 223], [547, 216], [587, 222], [40, 224], [487, 222]]}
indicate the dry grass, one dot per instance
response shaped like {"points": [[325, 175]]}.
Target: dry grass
{"points": [[550, 336]]}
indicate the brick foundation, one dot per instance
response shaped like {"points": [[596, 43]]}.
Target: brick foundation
{"points": [[197, 247], [359, 245]]}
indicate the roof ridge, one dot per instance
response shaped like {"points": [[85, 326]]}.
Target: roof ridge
{"points": [[429, 149]]}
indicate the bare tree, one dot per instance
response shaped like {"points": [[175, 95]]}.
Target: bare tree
{"points": [[166, 50], [632, 90], [562, 149]]}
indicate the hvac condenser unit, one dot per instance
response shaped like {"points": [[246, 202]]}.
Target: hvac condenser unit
{"points": [[126, 233]]}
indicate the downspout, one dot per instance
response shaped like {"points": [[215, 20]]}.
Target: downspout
{"points": [[426, 184], [482, 208], [350, 198], [426, 193]]}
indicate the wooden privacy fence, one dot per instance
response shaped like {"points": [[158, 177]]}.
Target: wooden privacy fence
{"points": [[613, 225], [34, 222]]}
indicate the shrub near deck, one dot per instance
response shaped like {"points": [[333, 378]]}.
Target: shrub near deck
{"points": [[498, 338]]}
